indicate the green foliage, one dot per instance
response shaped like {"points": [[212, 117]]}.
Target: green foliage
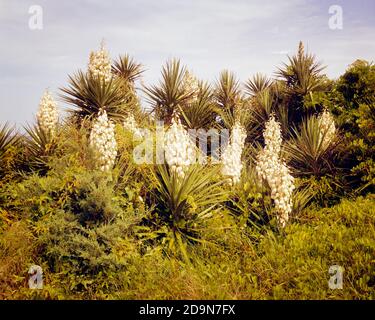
{"points": [[249, 201], [353, 101], [338, 236], [92, 200], [169, 94], [7, 139], [39, 146], [257, 84], [301, 78], [307, 151], [290, 265], [89, 261], [227, 91], [9, 144], [302, 74], [89, 94], [183, 205], [201, 113], [125, 67], [263, 104], [325, 190], [228, 98], [357, 85]]}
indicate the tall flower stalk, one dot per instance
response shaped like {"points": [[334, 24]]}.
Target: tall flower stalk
{"points": [[190, 86], [179, 149], [272, 169], [231, 157], [100, 64], [327, 128], [102, 140], [48, 115], [131, 125]]}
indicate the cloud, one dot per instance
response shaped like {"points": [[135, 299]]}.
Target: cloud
{"points": [[208, 35]]}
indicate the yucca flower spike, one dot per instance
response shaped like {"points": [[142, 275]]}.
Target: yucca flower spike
{"points": [[100, 64], [179, 149], [103, 141], [327, 128], [231, 157], [190, 85], [48, 115], [131, 125], [272, 169]]}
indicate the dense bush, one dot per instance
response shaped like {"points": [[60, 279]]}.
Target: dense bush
{"points": [[353, 101]]}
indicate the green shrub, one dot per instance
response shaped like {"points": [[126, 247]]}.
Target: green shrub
{"points": [[87, 261], [353, 102]]}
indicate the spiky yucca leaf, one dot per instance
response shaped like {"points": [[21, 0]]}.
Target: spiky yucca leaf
{"points": [[184, 204], [126, 68], [9, 152], [302, 74], [192, 195], [264, 104], [301, 198], [227, 92], [169, 94], [201, 112], [307, 152], [244, 115], [257, 84], [39, 144], [88, 95], [7, 138], [248, 201]]}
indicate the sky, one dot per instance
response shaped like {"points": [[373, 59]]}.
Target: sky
{"points": [[244, 36]]}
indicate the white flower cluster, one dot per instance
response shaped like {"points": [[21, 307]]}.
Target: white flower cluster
{"points": [[231, 157], [131, 125], [100, 64], [327, 127], [190, 85], [272, 169], [102, 139], [179, 149], [47, 115]]}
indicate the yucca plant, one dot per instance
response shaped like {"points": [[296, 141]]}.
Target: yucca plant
{"points": [[307, 151], [39, 145], [257, 84], [166, 98], [7, 138], [200, 113], [252, 113], [302, 197], [248, 200], [183, 205], [302, 78], [302, 74], [126, 68], [263, 104], [128, 71], [228, 96], [89, 94]]}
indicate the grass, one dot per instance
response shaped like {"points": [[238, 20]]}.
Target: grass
{"points": [[292, 264]]}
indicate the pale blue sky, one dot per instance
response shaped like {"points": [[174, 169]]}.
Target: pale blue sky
{"points": [[245, 36]]}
